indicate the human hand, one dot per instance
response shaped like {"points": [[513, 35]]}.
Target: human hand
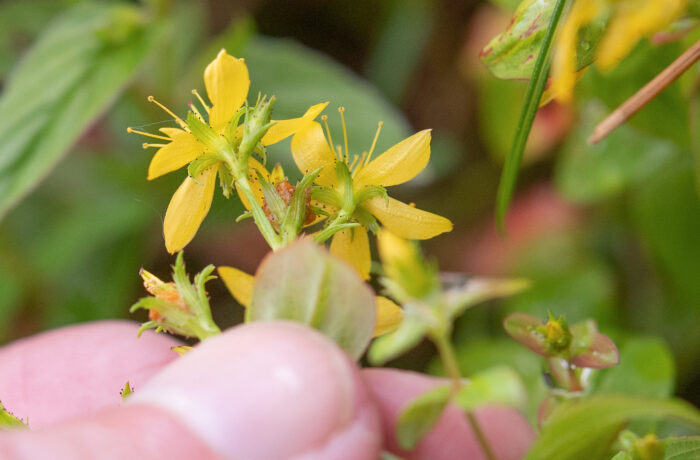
{"points": [[258, 391]]}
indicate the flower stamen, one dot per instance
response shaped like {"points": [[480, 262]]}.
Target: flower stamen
{"points": [[143, 133], [374, 142], [324, 118], [146, 145], [196, 113], [178, 120], [341, 110], [201, 101]]}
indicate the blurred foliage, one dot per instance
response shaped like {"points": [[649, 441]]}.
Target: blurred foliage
{"points": [[615, 236]]}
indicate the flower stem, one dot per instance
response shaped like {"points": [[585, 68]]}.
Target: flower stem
{"points": [[449, 362], [259, 216]]}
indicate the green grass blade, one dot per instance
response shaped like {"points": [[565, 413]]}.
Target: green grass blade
{"points": [[533, 95]]}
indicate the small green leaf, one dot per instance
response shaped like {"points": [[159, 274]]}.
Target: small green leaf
{"points": [[512, 54], [304, 283], [421, 414], [408, 335], [586, 428], [498, 385], [521, 327], [7, 420], [682, 448]]}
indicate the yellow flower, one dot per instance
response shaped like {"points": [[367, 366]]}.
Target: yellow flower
{"points": [[368, 176], [240, 284], [227, 82], [630, 21]]}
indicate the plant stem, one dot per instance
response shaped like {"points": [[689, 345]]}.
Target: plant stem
{"points": [[646, 94], [259, 216], [332, 228], [449, 362], [535, 88]]}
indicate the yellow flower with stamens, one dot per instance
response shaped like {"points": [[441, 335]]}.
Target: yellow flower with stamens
{"points": [[367, 200], [240, 284], [227, 82], [630, 21]]}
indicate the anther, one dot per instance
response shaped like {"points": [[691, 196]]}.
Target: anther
{"points": [[146, 145], [341, 110], [143, 133], [374, 142], [179, 121]]}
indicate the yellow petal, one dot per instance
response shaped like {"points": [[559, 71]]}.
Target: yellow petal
{"points": [[632, 21], [183, 149], [399, 164], [227, 82], [406, 221], [253, 166], [285, 128], [187, 209], [310, 151], [564, 69], [181, 349], [389, 316], [239, 283], [352, 245]]}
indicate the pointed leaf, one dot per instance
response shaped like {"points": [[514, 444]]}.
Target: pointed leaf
{"points": [[498, 385], [421, 414], [304, 283], [521, 326]]}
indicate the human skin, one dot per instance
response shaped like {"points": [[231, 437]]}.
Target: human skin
{"points": [[259, 391]]}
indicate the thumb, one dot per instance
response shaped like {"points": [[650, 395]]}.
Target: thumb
{"points": [[269, 391]]}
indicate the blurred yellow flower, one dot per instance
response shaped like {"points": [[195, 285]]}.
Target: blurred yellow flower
{"points": [[365, 200], [227, 82], [240, 284], [630, 21]]}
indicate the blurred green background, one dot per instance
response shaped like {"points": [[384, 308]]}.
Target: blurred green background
{"points": [[610, 232]]}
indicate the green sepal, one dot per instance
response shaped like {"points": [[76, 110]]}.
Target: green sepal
{"points": [[256, 124], [245, 215], [204, 134], [345, 181], [370, 191], [201, 163], [421, 415], [327, 195], [296, 211], [232, 126]]}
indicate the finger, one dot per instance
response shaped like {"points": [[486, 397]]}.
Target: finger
{"points": [[270, 391], [508, 432], [78, 369]]}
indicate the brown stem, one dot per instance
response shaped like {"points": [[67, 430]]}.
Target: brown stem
{"points": [[646, 94]]}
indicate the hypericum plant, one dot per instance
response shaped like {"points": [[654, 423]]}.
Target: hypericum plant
{"points": [[342, 198]]}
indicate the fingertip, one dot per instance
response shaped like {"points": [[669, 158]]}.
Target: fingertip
{"points": [[269, 391], [78, 369]]}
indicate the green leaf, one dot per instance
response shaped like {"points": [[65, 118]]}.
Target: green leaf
{"points": [[646, 369], [513, 53], [682, 448], [585, 429], [7, 420], [67, 79], [533, 96], [304, 283], [421, 414], [498, 385], [410, 332]]}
